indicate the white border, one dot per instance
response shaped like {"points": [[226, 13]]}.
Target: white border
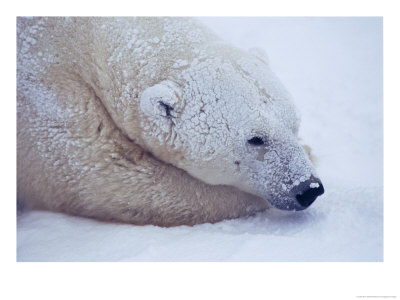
{"points": [[201, 280]]}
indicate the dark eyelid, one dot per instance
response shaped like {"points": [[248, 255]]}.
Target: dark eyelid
{"points": [[256, 141]]}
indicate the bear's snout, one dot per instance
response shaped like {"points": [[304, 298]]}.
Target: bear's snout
{"points": [[300, 197], [307, 191]]}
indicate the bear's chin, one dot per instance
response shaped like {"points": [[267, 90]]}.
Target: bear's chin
{"points": [[286, 205]]}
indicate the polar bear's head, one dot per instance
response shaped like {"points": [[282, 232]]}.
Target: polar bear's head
{"points": [[226, 119]]}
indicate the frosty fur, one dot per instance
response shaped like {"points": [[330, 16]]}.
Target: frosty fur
{"points": [[110, 128]]}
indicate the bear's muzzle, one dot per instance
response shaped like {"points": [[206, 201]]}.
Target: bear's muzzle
{"points": [[301, 196]]}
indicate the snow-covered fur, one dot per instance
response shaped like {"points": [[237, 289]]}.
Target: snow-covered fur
{"points": [[150, 121]]}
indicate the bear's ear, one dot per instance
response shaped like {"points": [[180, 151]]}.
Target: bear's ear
{"points": [[260, 54], [159, 99]]}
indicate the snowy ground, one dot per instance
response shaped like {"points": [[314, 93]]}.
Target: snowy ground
{"points": [[333, 68]]}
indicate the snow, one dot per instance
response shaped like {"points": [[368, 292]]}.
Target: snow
{"points": [[333, 69]]}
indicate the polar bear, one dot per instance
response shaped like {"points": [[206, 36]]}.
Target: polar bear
{"points": [[153, 121]]}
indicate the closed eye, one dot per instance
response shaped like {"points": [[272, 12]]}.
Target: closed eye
{"points": [[256, 141]]}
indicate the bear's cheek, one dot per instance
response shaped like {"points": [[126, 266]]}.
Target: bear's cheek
{"points": [[212, 173]]}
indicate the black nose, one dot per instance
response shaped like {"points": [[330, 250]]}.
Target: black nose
{"points": [[312, 188]]}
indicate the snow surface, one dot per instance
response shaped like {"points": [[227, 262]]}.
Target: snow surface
{"points": [[333, 69]]}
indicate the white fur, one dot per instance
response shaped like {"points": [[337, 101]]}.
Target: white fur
{"points": [[94, 137]]}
